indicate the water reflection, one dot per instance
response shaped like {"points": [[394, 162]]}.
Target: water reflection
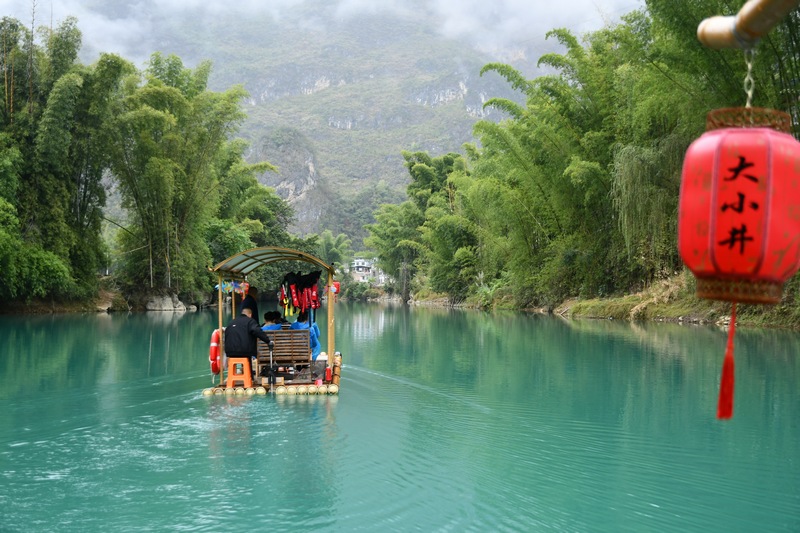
{"points": [[511, 357], [447, 420]]}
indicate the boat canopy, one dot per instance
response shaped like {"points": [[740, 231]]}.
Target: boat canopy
{"points": [[240, 265], [243, 263]]}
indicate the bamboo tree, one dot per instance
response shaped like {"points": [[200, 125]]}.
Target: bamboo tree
{"points": [[167, 155], [397, 241], [334, 250], [58, 130]]}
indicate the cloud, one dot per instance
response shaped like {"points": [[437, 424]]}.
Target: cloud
{"points": [[507, 23], [352, 8], [274, 8], [101, 32], [495, 26]]}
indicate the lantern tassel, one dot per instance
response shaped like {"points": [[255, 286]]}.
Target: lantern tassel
{"points": [[725, 405]]}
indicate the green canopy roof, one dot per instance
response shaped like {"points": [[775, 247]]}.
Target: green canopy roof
{"points": [[243, 263]]}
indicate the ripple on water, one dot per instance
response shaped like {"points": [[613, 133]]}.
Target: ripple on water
{"points": [[397, 451]]}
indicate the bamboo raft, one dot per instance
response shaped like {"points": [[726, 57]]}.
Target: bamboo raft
{"points": [[288, 368]]}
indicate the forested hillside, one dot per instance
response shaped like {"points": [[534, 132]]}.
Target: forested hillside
{"points": [[567, 187], [325, 110], [576, 194], [70, 132], [333, 101]]}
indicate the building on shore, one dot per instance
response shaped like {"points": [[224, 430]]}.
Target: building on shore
{"points": [[367, 271]]}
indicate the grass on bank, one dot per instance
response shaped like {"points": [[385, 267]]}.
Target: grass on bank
{"points": [[674, 300]]}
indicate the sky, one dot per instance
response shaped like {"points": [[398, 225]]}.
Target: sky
{"points": [[502, 25]]}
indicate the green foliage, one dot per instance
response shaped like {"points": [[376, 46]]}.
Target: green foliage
{"points": [[450, 241], [53, 155], [428, 175], [62, 48], [225, 238], [334, 250], [357, 291], [52, 140], [160, 136], [429, 233], [645, 193], [10, 164], [28, 270], [396, 239], [169, 152], [42, 274], [10, 244], [170, 71], [576, 193]]}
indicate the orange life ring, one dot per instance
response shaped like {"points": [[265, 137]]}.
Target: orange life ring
{"points": [[213, 352]]}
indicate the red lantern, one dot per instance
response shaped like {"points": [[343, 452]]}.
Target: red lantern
{"points": [[739, 214]]}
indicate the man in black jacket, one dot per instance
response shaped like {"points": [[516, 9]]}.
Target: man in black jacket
{"points": [[241, 336]]}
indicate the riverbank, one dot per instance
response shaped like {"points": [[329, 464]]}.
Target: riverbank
{"points": [[674, 300], [669, 300], [105, 301]]}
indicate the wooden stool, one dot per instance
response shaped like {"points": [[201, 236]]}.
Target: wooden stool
{"points": [[245, 377]]}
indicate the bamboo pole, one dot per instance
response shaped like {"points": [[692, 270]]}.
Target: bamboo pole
{"points": [[233, 301], [331, 334], [221, 333], [754, 20]]}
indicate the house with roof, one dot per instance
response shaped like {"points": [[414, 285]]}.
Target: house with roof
{"points": [[367, 271]]}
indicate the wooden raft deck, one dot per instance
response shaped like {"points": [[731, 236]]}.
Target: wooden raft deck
{"points": [[292, 349]]}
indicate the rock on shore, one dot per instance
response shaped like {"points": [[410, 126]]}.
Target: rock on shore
{"points": [[165, 303]]}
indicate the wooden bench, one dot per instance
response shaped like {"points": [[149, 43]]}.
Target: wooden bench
{"points": [[292, 348]]}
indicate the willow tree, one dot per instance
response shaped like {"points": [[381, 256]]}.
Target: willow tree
{"points": [[167, 138]]}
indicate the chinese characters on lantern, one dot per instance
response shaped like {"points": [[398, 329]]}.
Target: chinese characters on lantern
{"points": [[740, 174]]}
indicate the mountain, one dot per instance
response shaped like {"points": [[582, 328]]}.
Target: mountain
{"points": [[334, 100]]}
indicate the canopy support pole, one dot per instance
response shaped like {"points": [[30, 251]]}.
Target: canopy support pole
{"points": [[330, 297], [221, 332]]}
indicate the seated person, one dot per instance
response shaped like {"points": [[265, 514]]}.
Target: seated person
{"points": [[303, 322], [272, 320], [241, 337]]}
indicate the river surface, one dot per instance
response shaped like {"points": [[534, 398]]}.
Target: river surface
{"points": [[447, 420]]}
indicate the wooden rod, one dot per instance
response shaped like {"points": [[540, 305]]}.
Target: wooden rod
{"points": [[754, 20]]}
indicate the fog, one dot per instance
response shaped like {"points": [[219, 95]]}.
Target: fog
{"points": [[500, 28]]}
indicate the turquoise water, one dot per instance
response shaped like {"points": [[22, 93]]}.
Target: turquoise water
{"points": [[446, 421]]}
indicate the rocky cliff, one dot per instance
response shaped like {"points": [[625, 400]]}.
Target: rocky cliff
{"points": [[333, 103]]}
